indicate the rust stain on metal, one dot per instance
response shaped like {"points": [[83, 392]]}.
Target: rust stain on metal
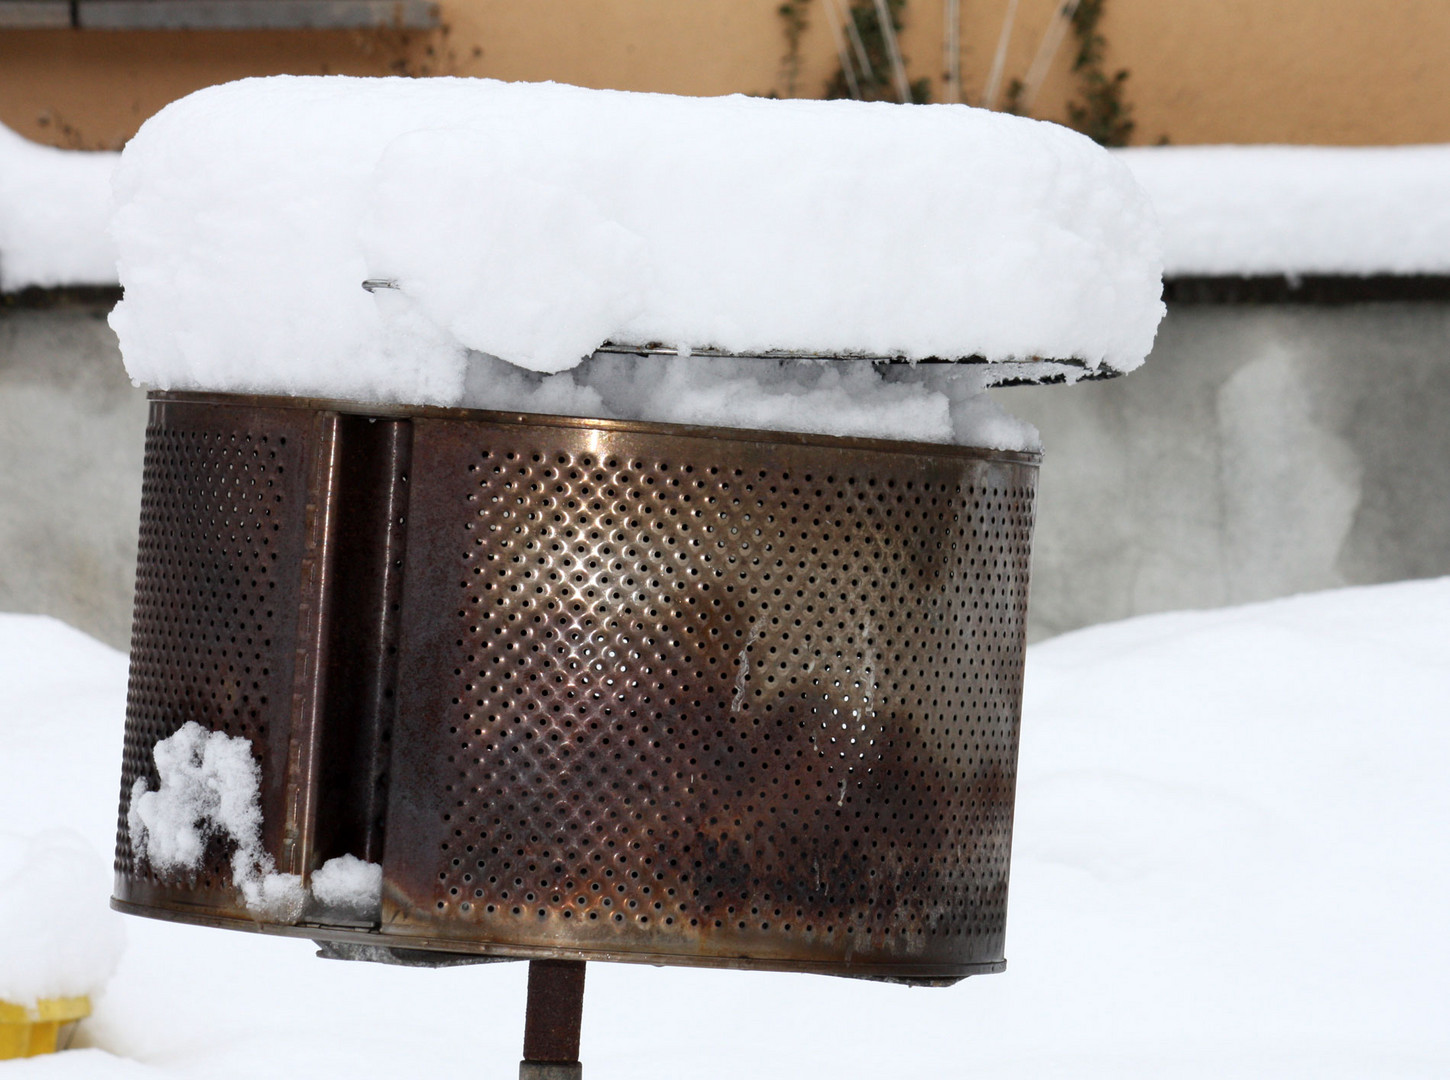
{"points": [[554, 1010]]}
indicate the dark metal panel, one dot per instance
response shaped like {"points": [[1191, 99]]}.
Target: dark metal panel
{"points": [[662, 694], [332, 547], [215, 631], [315, 592], [361, 657], [708, 700]]}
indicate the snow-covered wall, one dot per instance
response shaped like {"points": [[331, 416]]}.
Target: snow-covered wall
{"points": [[1224, 210], [1250, 210], [54, 209]]}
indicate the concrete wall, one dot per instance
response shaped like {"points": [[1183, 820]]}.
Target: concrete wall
{"points": [[72, 431], [1298, 71], [1261, 451]]}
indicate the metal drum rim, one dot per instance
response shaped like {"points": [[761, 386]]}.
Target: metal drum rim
{"points": [[484, 951], [384, 410]]}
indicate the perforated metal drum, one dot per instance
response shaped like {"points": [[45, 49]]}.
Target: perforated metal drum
{"points": [[594, 689]]}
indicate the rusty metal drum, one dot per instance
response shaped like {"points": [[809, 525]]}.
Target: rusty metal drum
{"points": [[589, 689]]}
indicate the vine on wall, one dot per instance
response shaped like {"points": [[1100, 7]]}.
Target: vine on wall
{"points": [[1101, 110], [793, 13], [875, 84], [415, 54]]}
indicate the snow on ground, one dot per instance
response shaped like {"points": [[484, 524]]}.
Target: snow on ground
{"points": [[534, 222], [54, 209], [1230, 861], [55, 941], [1244, 210]]}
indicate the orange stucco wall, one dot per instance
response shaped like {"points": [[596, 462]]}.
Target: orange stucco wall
{"points": [[1304, 71]]}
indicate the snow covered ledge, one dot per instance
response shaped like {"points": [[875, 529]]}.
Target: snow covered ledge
{"points": [[54, 210], [1310, 224]]}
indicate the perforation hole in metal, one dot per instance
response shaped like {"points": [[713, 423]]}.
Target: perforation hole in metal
{"points": [[697, 696], [215, 615]]}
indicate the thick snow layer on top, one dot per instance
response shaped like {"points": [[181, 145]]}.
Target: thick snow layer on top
{"points": [[1244, 210], [54, 209], [534, 222], [56, 937], [1229, 860]]}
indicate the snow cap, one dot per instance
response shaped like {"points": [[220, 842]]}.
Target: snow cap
{"points": [[534, 222]]}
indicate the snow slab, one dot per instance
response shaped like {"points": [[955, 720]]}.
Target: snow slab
{"points": [[81, 1064], [55, 207], [1247, 210], [1229, 861], [62, 697], [534, 222]]}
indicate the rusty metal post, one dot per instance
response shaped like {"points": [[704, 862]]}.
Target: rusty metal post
{"points": [[551, 1025]]}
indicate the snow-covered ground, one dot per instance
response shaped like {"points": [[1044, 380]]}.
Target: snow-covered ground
{"points": [[1231, 860]]}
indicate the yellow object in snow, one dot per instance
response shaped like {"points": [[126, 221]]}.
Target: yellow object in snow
{"points": [[27, 1030]]}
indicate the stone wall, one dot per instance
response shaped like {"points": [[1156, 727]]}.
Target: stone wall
{"points": [[1262, 451]]}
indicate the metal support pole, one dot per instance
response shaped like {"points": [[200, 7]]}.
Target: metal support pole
{"points": [[551, 1024]]}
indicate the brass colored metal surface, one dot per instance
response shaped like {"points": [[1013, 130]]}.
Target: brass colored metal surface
{"points": [[218, 592], [608, 690]]}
